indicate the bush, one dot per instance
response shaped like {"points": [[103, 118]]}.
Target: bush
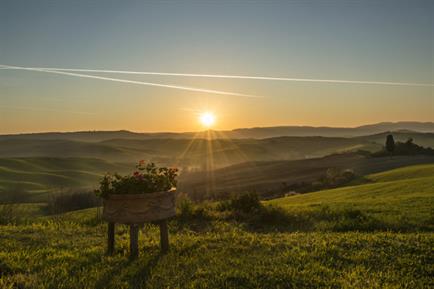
{"points": [[244, 203], [189, 211], [66, 202]]}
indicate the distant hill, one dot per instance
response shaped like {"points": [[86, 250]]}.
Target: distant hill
{"points": [[200, 153], [256, 133], [38, 163], [186, 153], [266, 132]]}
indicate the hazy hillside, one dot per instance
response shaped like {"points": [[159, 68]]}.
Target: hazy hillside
{"points": [[194, 153], [257, 132], [422, 139], [38, 166], [266, 132], [267, 176], [186, 152]]}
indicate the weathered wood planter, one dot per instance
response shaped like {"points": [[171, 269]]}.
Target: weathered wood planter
{"points": [[136, 209]]}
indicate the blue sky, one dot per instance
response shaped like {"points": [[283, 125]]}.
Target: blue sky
{"points": [[350, 40]]}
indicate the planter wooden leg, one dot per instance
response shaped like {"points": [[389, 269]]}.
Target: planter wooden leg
{"points": [[111, 238], [164, 236], [134, 241]]}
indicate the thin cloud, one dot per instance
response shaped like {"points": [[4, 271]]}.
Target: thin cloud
{"points": [[341, 81], [188, 88]]}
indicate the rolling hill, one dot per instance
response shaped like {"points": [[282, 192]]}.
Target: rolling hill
{"points": [[268, 176], [186, 152], [32, 179], [219, 165], [193, 153], [401, 195]]}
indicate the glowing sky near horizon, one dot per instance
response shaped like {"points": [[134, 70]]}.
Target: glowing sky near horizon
{"points": [[377, 41]]}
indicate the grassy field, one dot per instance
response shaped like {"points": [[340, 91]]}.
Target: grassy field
{"points": [[395, 196], [325, 239], [70, 255]]}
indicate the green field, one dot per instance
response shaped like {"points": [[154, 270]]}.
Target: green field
{"points": [[400, 195], [219, 249]]}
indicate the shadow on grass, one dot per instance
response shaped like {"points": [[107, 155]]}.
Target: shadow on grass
{"points": [[135, 271], [253, 215], [275, 219]]}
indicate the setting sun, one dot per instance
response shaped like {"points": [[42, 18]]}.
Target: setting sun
{"points": [[207, 119]]}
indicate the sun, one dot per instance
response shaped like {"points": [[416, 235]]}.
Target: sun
{"points": [[207, 119]]}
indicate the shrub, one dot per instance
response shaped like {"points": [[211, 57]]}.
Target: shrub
{"points": [[187, 210], [244, 203]]}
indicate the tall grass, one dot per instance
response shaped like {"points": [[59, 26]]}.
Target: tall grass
{"points": [[10, 213]]}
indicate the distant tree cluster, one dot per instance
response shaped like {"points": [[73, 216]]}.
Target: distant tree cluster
{"points": [[402, 148]]}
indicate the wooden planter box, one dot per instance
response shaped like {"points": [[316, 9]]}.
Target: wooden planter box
{"points": [[139, 208], [135, 209]]}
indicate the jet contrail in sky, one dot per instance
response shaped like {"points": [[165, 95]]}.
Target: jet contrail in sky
{"points": [[188, 88], [239, 77]]}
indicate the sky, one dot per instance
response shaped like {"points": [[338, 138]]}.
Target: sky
{"points": [[379, 41]]}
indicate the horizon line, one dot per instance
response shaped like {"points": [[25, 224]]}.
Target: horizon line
{"points": [[226, 130]]}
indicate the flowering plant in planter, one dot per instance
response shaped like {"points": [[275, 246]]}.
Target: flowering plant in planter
{"points": [[148, 178]]}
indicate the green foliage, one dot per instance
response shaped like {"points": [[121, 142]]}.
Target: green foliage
{"points": [[193, 216], [243, 203], [403, 149], [148, 178]]}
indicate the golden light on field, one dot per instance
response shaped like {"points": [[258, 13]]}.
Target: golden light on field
{"points": [[207, 119]]}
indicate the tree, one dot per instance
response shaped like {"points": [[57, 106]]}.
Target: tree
{"points": [[409, 142], [390, 144]]}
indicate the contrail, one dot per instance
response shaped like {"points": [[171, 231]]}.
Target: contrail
{"points": [[188, 88], [241, 77]]}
